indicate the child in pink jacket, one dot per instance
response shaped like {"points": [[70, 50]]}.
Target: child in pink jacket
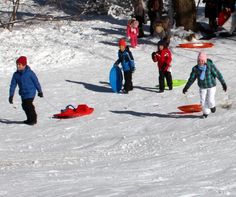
{"points": [[133, 32]]}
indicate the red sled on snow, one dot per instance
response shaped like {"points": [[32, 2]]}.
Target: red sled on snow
{"points": [[196, 45], [190, 108], [71, 112]]}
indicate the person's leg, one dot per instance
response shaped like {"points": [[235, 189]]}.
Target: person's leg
{"points": [[211, 99], [140, 26], [161, 81], [28, 107], [152, 20], [127, 84], [135, 40], [132, 41], [203, 101], [169, 80], [128, 81]]}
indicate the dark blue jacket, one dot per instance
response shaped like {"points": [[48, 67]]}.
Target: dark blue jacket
{"points": [[126, 59], [27, 81]]}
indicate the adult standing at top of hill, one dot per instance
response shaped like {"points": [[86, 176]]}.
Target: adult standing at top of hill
{"points": [[139, 14], [155, 8]]}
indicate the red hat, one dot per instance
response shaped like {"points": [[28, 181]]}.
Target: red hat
{"points": [[122, 42], [22, 60]]}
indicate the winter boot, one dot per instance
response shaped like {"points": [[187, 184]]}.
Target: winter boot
{"points": [[213, 109]]}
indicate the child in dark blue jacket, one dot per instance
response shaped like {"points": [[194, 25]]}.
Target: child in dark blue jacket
{"points": [[28, 83], [126, 59]]}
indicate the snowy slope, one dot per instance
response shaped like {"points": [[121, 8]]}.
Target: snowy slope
{"points": [[132, 145]]}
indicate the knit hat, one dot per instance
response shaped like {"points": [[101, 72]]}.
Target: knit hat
{"points": [[162, 43], [22, 60], [202, 56], [122, 42]]}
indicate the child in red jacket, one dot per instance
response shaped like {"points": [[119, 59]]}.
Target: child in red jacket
{"points": [[163, 58], [133, 32]]}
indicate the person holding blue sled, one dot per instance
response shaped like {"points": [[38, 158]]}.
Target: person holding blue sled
{"points": [[206, 73], [126, 59]]}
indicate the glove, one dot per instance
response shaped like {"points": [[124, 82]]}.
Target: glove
{"points": [[115, 64], [10, 99], [224, 87], [40, 94], [133, 69], [153, 55], [185, 90]]}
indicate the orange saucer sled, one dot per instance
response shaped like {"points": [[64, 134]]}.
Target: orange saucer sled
{"points": [[71, 112], [190, 108], [196, 45]]}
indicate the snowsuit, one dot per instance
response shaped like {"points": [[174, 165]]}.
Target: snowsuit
{"points": [[207, 86], [127, 62], [132, 34], [28, 83], [154, 12], [163, 59]]}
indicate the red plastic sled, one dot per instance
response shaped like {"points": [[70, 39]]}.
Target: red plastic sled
{"points": [[71, 112], [196, 45], [191, 108]]}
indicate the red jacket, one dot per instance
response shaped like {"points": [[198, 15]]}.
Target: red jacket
{"points": [[163, 59]]}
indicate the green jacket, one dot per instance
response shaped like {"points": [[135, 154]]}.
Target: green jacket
{"points": [[210, 78]]}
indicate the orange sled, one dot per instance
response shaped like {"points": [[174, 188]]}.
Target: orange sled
{"points": [[191, 108], [71, 112], [196, 45]]}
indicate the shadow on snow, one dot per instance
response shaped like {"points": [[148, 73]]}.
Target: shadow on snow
{"points": [[169, 115], [6, 121], [92, 87]]}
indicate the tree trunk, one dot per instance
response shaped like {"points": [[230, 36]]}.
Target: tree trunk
{"points": [[185, 11]]}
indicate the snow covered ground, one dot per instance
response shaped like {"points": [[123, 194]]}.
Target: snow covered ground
{"points": [[132, 145]]}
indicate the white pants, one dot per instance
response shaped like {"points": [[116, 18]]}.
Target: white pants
{"points": [[207, 99]]}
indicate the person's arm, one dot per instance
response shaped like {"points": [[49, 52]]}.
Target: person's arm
{"points": [[190, 81], [118, 61], [35, 81], [216, 73], [12, 86], [12, 89]]}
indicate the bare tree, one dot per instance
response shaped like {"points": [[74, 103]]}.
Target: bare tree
{"points": [[14, 5], [185, 14]]}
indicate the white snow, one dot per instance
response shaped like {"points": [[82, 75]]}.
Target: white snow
{"points": [[132, 145]]}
